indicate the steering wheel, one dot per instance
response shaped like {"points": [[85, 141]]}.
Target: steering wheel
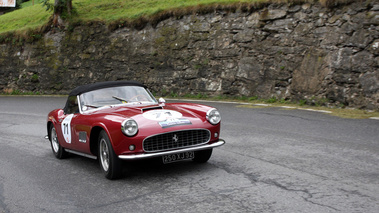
{"points": [[137, 98]]}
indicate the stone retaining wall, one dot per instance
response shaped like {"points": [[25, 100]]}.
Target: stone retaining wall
{"points": [[298, 52]]}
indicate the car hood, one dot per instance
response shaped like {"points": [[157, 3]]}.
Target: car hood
{"points": [[164, 115]]}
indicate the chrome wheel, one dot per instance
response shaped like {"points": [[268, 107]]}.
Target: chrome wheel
{"points": [[109, 162], [104, 154], [58, 150], [54, 140]]}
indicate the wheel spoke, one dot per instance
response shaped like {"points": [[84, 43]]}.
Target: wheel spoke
{"points": [[104, 154], [54, 140]]}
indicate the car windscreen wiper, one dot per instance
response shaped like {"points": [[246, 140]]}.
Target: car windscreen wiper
{"points": [[89, 105], [120, 99]]}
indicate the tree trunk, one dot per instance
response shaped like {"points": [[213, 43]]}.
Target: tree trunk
{"points": [[69, 7], [59, 7]]}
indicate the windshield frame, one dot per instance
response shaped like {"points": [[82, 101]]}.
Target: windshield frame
{"points": [[85, 103]]}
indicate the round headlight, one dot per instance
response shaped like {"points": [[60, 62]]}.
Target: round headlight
{"points": [[129, 127], [213, 116]]}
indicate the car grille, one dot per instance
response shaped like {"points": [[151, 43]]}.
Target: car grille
{"points": [[174, 140]]}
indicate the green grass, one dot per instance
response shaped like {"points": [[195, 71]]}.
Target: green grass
{"points": [[19, 92], [338, 112], [26, 18], [29, 3], [31, 17], [110, 10]]}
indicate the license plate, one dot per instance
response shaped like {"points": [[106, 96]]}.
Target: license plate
{"points": [[178, 157]]}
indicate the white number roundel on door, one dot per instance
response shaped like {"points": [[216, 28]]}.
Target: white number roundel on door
{"points": [[66, 128]]}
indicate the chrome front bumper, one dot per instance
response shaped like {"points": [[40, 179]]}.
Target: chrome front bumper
{"points": [[220, 142]]}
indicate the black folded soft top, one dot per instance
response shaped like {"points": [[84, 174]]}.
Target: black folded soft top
{"points": [[101, 85]]}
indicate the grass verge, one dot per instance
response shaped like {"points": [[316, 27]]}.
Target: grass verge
{"points": [[338, 112], [256, 103]]}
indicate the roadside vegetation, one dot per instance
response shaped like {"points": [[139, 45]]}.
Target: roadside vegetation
{"points": [[32, 19], [255, 102]]}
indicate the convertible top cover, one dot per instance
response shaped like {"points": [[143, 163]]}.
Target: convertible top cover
{"points": [[101, 85]]}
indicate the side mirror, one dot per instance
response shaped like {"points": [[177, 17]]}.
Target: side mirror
{"points": [[162, 101]]}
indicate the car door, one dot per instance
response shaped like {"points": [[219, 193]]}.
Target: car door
{"points": [[70, 112]]}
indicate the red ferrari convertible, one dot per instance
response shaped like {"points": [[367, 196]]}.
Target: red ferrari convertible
{"points": [[121, 120]]}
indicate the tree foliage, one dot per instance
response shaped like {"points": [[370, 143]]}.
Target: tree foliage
{"points": [[47, 4]]}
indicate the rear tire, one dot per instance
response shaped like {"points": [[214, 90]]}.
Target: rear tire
{"points": [[110, 164], [58, 150], [202, 156]]}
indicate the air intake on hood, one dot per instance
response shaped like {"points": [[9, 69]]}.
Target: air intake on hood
{"points": [[151, 108]]}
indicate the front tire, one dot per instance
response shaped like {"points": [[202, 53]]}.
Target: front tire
{"points": [[202, 156], [58, 150], [109, 162]]}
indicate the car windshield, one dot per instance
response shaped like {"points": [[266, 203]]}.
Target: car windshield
{"points": [[115, 95]]}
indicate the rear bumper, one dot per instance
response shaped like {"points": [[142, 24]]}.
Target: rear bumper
{"points": [[220, 142]]}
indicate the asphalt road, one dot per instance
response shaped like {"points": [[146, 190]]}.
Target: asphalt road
{"points": [[275, 160]]}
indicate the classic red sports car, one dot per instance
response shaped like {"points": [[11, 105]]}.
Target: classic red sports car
{"points": [[121, 120]]}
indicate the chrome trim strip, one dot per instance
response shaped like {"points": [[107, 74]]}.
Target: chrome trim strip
{"points": [[190, 149], [79, 104], [81, 154]]}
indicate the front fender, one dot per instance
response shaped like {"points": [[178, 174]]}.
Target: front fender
{"points": [[113, 130], [53, 119]]}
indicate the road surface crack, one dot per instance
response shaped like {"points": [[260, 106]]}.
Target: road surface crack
{"points": [[306, 198], [255, 179]]}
